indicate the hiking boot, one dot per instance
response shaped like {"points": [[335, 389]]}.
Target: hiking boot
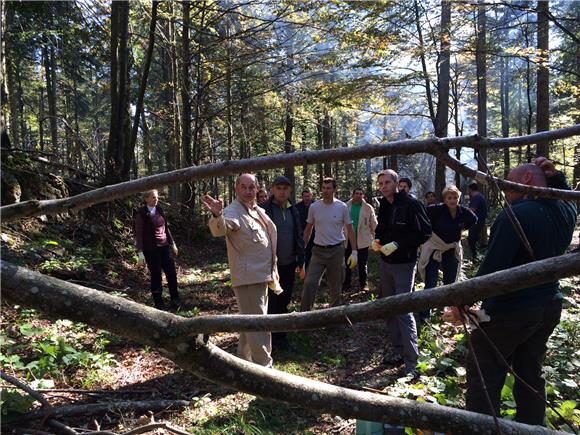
{"points": [[175, 303], [411, 372], [158, 301], [392, 359]]}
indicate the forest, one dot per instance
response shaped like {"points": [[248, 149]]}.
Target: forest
{"points": [[104, 100]]}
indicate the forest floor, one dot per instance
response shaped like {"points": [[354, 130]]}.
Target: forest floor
{"points": [[71, 363]]}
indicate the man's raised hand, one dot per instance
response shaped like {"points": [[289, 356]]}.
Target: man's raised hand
{"points": [[213, 205], [545, 165]]}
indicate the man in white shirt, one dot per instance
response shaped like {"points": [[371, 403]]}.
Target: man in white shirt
{"points": [[329, 216]]}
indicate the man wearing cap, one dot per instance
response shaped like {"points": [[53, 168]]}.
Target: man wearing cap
{"points": [[289, 250], [329, 216], [251, 242]]}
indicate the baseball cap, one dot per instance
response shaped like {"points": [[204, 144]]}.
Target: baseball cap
{"points": [[281, 179]]}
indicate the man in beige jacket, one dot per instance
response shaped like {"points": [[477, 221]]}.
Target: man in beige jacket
{"points": [[251, 242], [364, 223]]}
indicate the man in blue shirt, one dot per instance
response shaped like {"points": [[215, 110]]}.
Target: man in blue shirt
{"points": [[521, 321], [478, 205]]}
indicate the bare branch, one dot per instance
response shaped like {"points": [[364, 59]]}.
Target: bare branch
{"points": [[31, 392], [431, 145], [139, 406], [545, 192]]}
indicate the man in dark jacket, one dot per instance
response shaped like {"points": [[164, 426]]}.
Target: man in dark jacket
{"points": [[403, 225], [303, 207], [521, 321], [478, 205], [289, 250]]}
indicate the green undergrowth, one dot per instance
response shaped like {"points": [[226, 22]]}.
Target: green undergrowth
{"points": [[256, 416], [45, 355]]}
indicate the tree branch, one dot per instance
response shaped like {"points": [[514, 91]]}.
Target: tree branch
{"points": [[138, 406], [545, 192], [148, 326], [32, 393], [431, 145]]}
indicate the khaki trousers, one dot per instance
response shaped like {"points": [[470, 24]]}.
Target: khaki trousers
{"points": [[255, 347], [330, 260]]}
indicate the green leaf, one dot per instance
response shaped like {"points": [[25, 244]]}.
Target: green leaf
{"points": [[28, 330], [570, 383]]}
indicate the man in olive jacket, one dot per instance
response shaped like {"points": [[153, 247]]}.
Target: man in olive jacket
{"points": [[251, 238]]}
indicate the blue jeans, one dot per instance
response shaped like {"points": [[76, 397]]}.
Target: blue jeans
{"points": [[448, 265], [396, 279]]}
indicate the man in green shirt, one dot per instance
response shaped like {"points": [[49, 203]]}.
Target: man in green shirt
{"points": [[364, 223]]}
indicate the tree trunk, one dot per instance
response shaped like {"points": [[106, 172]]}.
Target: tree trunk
{"points": [[326, 138], [41, 120], [173, 155], [199, 92], [443, 79], [505, 110], [543, 86], [229, 108], [305, 181], [51, 94], [10, 87], [21, 119], [185, 92], [119, 92], [576, 174], [130, 149], [289, 146], [146, 146], [481, 67]]}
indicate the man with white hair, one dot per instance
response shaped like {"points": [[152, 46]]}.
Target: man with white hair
{"points": [[251, 242]]}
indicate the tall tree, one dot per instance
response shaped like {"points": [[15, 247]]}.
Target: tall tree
{"points": [[326, 134], [49, 71], [130, 149], [185, 94], [481, 67], [543, 85], [443, 79], [9, 68], [119, 92]]}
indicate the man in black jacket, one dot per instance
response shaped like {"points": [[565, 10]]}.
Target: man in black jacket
{"points": [[403, 225], [289, 250], [303, 207]]}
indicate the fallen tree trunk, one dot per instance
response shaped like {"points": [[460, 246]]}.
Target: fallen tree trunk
{"points": [[172, 335], [83, 304], [434, 146]]}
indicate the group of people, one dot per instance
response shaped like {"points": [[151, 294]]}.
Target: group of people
{"points": [[270, 241]]}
